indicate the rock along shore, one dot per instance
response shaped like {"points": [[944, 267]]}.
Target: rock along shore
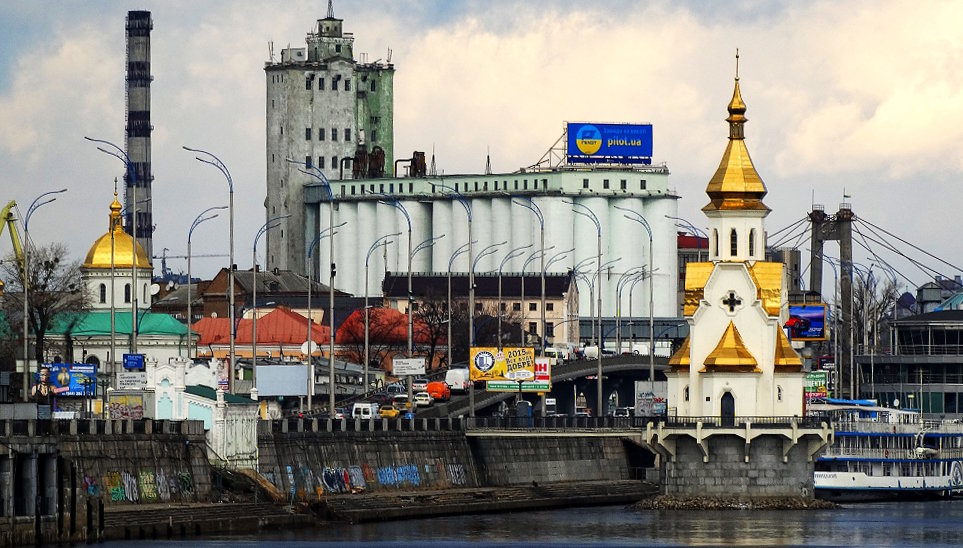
{"points": [[671, 502]]}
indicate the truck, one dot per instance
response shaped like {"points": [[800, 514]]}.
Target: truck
{"points": [[458, 380], [365, 411]]}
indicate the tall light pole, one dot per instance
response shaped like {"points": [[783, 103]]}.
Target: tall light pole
{"points": [[577, 269], [210, 159], [367, 359], [271, 223], [529, 204], [462, 249], [532, 257], [623, 280], [508, 256], [548, 264], [411, 313], [328, 232], [637, 217], [586, 212], [695, 231], [321, 178], [471, 313], [121, 155], [191, 348], [38, 201], [395, 203], [471, 272]]}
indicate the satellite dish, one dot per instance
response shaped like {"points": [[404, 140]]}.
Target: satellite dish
{"points": [[154, 289], [304, 347], [213, 314]]}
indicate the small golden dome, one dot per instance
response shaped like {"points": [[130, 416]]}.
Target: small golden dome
{"points": [[100, 253]]}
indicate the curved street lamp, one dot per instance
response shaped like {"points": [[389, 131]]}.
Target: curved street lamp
{"points": [[498, 310], [377, 243], [38, 201], [271, 223], [453, 192], [528, 203], [213, 160], [191, 346], [586, 212], [638, 218], [462, 249], [328, 232]]}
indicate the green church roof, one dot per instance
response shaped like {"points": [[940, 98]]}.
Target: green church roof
{"points": [[97, 323]]}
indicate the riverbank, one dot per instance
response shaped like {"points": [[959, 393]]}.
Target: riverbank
{"points": [[671, 502]]}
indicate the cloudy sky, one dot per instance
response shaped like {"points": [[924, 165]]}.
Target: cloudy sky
{"points": [[861, 98]]}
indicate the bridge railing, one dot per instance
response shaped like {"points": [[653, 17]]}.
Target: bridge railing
{"points": [[809, 421]]}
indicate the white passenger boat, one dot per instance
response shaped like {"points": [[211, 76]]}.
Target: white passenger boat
{"points": [[880, 453]]}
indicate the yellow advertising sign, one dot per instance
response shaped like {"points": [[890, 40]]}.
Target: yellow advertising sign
{"points": [[510, 364]]}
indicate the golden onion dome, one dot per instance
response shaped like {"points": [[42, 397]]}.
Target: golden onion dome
{"points": [[124, 252]]}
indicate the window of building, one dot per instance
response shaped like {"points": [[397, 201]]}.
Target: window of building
{"points": [[126, 293], [715, 242], [374, 135], [532, 307], [347, 134], [642, 187], [272, 157], [585, 183], [337, 48], [752, 241], [307, 134], [623, 184], [374, 87], [282, 129], [321, 162], [549, 307], [411, 187], [733, 243], [525, 184], [307, 161], [320, 133], [544, 183], [352, 190], [381, 188], [533, 327], [685, 394], [516, 184], [605, 183], [343, 189], [307, 82], [778, 393], [517, 307], [321, 83], [485, 187], [391, 188], [334, 162], [103, 293], [503, 307], [478, 307], [476, 186], [347, 84], [549, 329]]}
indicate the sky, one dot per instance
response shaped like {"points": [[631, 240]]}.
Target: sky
{"points": [[863, 99]]}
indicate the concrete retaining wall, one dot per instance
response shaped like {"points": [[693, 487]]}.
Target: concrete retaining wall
{"points": [[727, 474], [508, 461]]}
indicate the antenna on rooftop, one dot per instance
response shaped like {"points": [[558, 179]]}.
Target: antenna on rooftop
{"points": [[433, 172], [488, 161], [330, 9]]}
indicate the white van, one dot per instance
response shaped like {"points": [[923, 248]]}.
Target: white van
{"points": [[365, 411], [458, 380]]}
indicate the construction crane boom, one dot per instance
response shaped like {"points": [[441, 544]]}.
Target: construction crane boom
{"points": [[8, 220]]}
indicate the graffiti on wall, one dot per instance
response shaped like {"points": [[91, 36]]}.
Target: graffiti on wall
{"points": [[145, 485], [303, 482], [457, 475]]}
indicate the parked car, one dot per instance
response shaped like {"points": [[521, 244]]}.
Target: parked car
{"points": [[396, 388], [423, 399], [419, 384], [340, 413], [388, 412], [439, 391]]}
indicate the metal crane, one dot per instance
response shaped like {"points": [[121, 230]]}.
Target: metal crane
{"points": [[167, 273], [7, 219]]}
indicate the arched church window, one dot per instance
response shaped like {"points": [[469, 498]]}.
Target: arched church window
{"points": [[752, 242], [715, 242], [733, 243], [103, 293], [685, 394], [126, 293]]}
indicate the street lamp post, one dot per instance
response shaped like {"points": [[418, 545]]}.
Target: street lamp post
{"points": [[271, 223], [533, 207], [623, 280], [464, 247], [191, 348], [367, 359], [213, 160], [328, 232], [637, 217], [411, 313], [586, 212], [471, 313], [38, 201], [694, 230], [532, 257], [508, 256], [471, 274]]}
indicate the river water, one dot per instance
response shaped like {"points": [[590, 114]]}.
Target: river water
{"points": [[930, 523]]}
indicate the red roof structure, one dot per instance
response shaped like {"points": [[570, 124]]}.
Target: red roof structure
{"points": [[281, 326]]}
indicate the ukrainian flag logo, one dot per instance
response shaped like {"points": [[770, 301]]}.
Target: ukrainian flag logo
{"points": [[588, 140]]}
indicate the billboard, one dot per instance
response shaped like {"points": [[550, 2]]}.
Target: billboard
{"points": [[73, 379], [507, 364], [815, 385], [609, 143], [126, 406], [541, 382], [407, 366], [807, 322], [282, 380]]}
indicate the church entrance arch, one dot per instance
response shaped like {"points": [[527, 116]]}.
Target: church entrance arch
{"points": [[728, 409]]}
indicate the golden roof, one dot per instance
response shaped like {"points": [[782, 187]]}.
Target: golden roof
{"points": [[736, 185], [731, 354], [768, 280], [786, 357], [100, 253], [680, 360], [696, 276]]}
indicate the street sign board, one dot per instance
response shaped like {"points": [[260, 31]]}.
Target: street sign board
{"points": [[127, 380], [509, 386], [408, 366], [133, 361]]}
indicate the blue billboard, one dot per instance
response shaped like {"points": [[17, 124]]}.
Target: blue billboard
{"points": [[73, 379], [807, 322], [609, 143]]}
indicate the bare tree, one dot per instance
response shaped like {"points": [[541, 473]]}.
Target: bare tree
{"points": [[874, 303], [56, 293], [387, 335]]}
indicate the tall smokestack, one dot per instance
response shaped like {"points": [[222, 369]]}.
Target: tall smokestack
{"points": [[139, 25]]}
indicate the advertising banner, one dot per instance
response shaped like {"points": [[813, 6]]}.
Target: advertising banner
{"points": [[282, 380], [73, 379], [509, 364], [126, 406], [815, 385], [807, 322], [407, 366], [609, 143]]}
